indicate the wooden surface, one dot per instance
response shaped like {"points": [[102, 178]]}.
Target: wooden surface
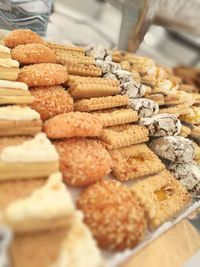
{"points": [[172, 249]]}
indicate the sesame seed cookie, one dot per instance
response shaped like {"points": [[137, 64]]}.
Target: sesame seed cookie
{"points": [[43, 74], [82, 161], [114, 216], [33, 53], [73, 124], [22, 36], [51, 101]]}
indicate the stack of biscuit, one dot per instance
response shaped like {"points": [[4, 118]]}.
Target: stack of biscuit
{"points": [[35, 204], [99, 109]]}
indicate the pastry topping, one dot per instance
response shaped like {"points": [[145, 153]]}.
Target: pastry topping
{"points": [[49, 201], [189, 176], [13, 85], [18, 113], [162, 124], [9, 63], [132, 89], [174, 148], [98, 52], [144, 107], [38, 149]]}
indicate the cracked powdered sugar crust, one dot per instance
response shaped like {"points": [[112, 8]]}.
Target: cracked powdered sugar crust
{"points": [[144, 107]]}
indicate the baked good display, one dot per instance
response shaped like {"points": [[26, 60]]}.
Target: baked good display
{"points": [[83, 161], [107, 201], [98, 109], [14, 93], [32, 157], [18, 120]]}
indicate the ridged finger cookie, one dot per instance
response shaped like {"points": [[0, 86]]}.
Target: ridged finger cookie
{"points": [[100, 103], [116, 116], [83, 70]]}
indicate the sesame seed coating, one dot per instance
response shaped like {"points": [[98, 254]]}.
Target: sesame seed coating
{"points": [[73, 124], [51, 101], [33, 53], [22, 36], [43, 74], [82, 161], [114, 216]]}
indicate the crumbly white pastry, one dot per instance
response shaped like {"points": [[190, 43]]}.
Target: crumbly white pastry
{"points": [[110, 76], [123, 76], [162, 124], [132, 89], [174, 148], [98, 52], [79, 249], [9, 63], [189, 176], [5, 240], [51, 201], [145, 107], [38, 149], [18, 113], [107, 67], [13, 85]]}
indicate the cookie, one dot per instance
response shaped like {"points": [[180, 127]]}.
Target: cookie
{"points": [[98, 52], [132, 89], [162, 197], [43, 74], [32, 54], [108, 201], [21, 36], [174, 148], [31, 157], [9, 69], [73, 124], [185, 131], [144, 107], [124, 135], [134, 161], [179, 97], [46, 214], [65, 48], [83, 70], [178, 110], [99, 103], [82, 161], [161, 124], [189, 176], [4, 52], [85, 87], [66, 58], [50, 101], [158, 98], [14, 93], [116, 116], [193, 116], [125, 65], [107, 66], [5, 241], [16, 120], [116, 56]]}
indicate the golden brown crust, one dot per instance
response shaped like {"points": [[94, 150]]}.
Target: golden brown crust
{"points": [[51, 101], [134, 161], [73, 124], [114, 216], [43, 74], [163, 197], [20, 36], [82, 161], [33, 53]]}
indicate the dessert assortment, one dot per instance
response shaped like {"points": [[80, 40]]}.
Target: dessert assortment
{"points": [[115, 127]]}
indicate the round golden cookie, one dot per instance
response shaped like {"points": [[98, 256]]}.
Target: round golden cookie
{"points": [[43, 74], [113, 214], [21, 36], [33, 53], [51, 101], [73, 124], [82, 161]]}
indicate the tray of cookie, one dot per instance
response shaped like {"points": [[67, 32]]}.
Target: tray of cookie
{"points": [[99, 153]]}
